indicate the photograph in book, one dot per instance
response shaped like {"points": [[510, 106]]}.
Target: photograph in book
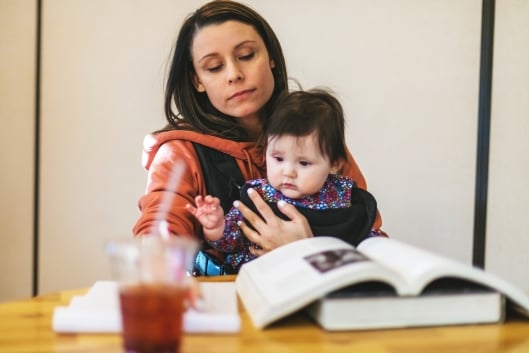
{"points": [[302, 272]]}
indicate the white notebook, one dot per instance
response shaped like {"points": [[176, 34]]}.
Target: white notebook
{"points": [[98, 311]]}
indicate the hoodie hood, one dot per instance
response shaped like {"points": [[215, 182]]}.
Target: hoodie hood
{"points": [[246, 151]]}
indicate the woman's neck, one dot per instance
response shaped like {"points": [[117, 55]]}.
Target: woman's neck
{"points": [[252, 126]]}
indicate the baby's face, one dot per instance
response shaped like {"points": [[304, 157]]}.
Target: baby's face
{"points": [[295, 165]]}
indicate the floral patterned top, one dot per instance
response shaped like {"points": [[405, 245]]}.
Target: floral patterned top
{"points": [[335, 194]]}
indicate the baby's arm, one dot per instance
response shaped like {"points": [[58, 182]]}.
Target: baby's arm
{"points": [[210, 214]]}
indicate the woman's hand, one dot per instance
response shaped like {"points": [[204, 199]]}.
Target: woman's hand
{"points": [[273, 231]]}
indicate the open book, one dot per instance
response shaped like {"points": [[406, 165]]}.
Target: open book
{"points": [[309, 270], [98, 311]]}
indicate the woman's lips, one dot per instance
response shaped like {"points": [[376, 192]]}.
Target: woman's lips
{"points": [[240, 94]]}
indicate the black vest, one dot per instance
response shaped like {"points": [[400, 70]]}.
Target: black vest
{"points": [[350, 224], [224, 180]]}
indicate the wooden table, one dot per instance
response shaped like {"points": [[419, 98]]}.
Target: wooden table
{"points": [[25, 327]]}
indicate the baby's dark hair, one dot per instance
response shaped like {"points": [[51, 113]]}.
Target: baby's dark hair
{"points": [[300, 113]]}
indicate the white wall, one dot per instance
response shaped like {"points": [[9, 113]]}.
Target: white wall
{"points": [[508, 207], [406, 71], [102, 78], [407, 74]]}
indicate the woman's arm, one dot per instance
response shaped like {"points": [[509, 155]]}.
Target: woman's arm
{"points": [[351, 169], [178, 218]]}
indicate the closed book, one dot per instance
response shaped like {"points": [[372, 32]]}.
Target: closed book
{"points": [[358, 308]]}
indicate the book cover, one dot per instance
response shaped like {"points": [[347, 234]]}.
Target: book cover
{"points": [[375, 305]]}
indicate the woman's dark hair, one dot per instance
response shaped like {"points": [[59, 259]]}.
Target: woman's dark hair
{"points": [[300, 113], [185, 107]]}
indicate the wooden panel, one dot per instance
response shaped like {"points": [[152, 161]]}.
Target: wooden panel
{"points": [[17, 112]]}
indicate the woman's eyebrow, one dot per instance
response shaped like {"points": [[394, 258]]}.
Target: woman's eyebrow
{"points": [[244, 42]]}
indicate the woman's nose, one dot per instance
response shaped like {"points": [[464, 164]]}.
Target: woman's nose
{"points": [[234, 72]]}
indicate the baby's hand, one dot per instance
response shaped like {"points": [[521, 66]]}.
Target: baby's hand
{"points": [[210, 214]]}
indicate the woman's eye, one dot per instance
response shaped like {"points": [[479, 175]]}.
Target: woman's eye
{"points": [[247, 56], [214, 68]]}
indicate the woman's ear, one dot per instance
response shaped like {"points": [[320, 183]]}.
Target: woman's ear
{"points": [[198, 85], [272, 64]]}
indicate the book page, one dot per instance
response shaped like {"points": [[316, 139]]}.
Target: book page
{"points": [[420, 267], [417, 266], [296, 274]]}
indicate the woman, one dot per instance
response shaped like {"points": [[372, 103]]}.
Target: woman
{"points": [[226, 73]]}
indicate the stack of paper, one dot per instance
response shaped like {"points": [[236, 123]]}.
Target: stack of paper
{"points": [[98, 311]]}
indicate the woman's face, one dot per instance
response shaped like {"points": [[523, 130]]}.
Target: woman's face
{"points": [[233, 68]]}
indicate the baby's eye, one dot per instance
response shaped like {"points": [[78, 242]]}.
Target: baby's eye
{"points": [[304, 163], [279, 159]]}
